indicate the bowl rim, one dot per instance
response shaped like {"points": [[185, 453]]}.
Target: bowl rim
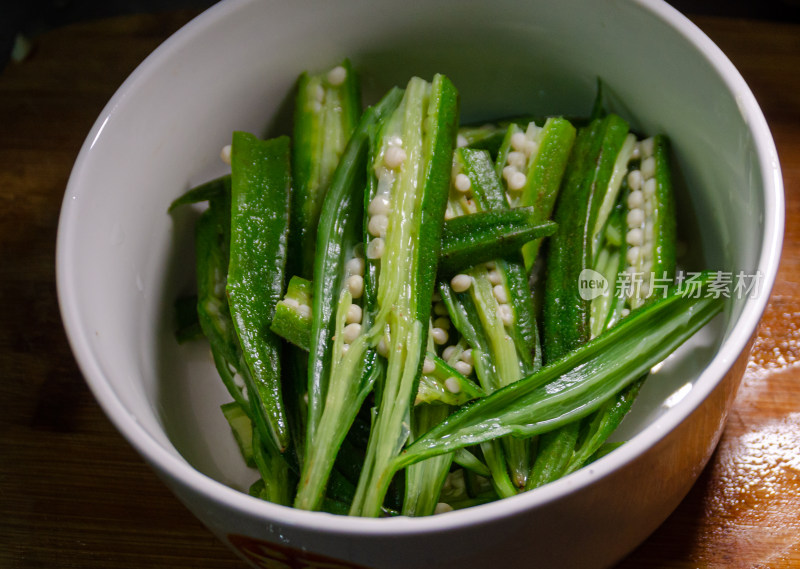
{"points": [[177, 469]]}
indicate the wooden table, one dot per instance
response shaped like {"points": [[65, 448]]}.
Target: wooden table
{"points": [[74, 494]]}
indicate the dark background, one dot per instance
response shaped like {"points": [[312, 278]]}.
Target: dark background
{"points": [[24, 19]]}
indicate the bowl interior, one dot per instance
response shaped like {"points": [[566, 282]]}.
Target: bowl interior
{"points": [[123, 259]]}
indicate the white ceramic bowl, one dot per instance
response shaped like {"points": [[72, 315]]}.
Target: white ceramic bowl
{"points": [[122, 259]]}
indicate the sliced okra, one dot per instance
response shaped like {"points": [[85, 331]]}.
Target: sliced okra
{"points": [[486, 235], [441, 382], [586, 183], [497, 303], [342, 365], [424, 480], [532, 162], [327, 109], [592, 175], [260, 184], [411, 159]]}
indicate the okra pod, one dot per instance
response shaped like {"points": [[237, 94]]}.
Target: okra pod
{"points": [[411, 163], [342, 367], [327, 109], [260, 183], [532, 164]]}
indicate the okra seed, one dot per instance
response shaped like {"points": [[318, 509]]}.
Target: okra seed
{"points": [[635, 217], [466, 356], [633, 255], [635, 237], [452, 385], [462, 141], [428, 366], [345, 348], [354, 314], [440, 309], [461, 283], [516, 159], [490, 265], [383, 347], [379, 205], [530, 147], [625, 312], [648, 208], [518, 141], [303, 310], [448, 352], [394, 157], [355, 266], [351, 332], [225, 154], [463, 368], [245, 393], [442, 322], [436, 297], [377, 225], [648, 167], [636, 152], [462, 183], [375, 248], [238, 380], [517, 181], [647, 147], [635, 180], [506, 315], [647, 266], [635, 199], [644, 292], [290, 302], [509, 171], [442, 508], [650, 188], [500, 293], [337, 75], [355, 284], [495, 277], [319, 93], [439, 336]]}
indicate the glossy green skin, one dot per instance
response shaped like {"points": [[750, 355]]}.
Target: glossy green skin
{"points": [[566, 314], [487, 235], [315, 156], [260, 190]]}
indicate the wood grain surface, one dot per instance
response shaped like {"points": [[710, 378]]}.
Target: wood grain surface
{"points": [[73, 493]]}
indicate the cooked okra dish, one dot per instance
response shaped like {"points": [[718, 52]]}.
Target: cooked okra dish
{"points": [[396, 301]]}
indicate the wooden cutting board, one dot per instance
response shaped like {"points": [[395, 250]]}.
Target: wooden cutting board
{"points": [[74, 494]]}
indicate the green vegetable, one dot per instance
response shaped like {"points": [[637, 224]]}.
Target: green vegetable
{"points": [[260, 183], [338, 382], [419, 136], [532, 163], [327, 109], [487, 235]]}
